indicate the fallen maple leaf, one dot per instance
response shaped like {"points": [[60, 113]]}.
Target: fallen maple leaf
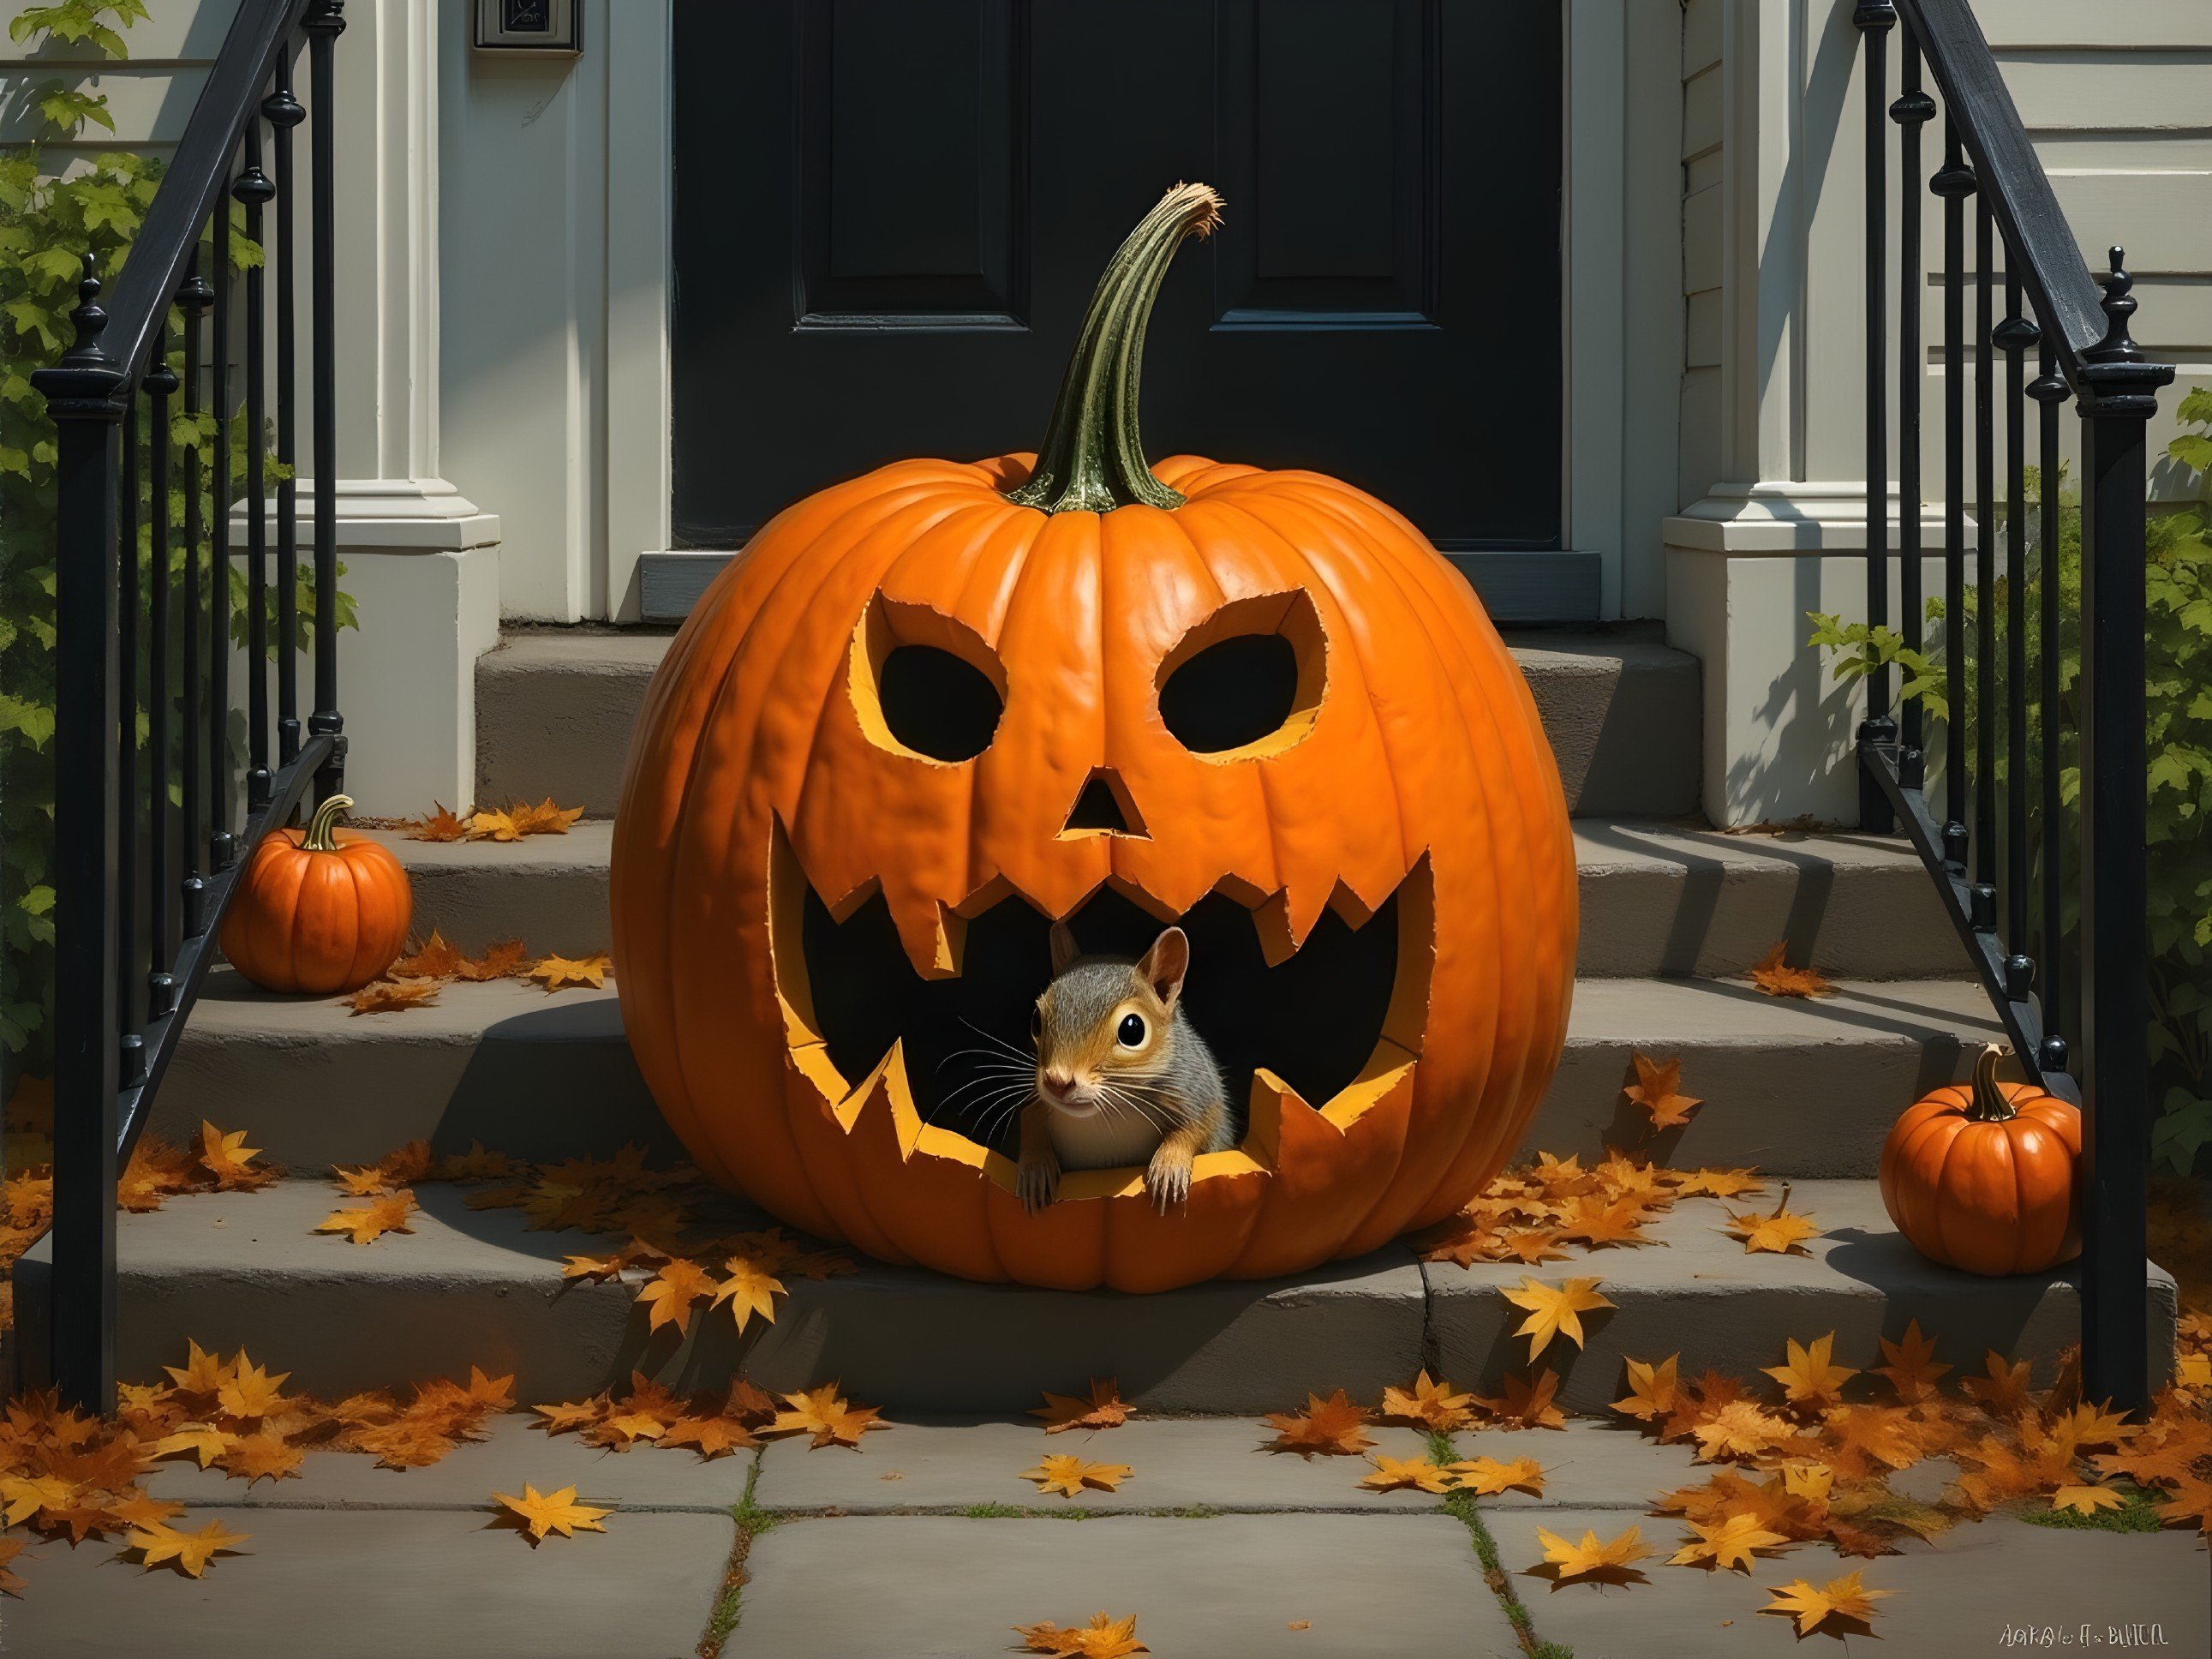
{"points": [[1840, 1598], [1487, 1477], [1597, 1221], [266, 1455], [26, 1495], [9, 1547], [387, 1214], [825, 1414], [1554, 1312], [1780, 1231], [541, 1513], [2004, 1391], [1720, 1183], [750, 1288], [1525, 1404], [203, 1373], [190, 1551], [502, 959], [1809, 1378], [388, 996], [671, 1293], [1657, 1090], [557, 971], [572, 1415], [1771, 976], [1393, 1473], [1069, 1475], [436, 959], [1104, 1409], [230, 1160], [1103, 1638], [1652, 1389], [545, 818], [1428, 1405], [2087, 1500], [438, 825], [203, 1440], [1726, 1543], [1912, 1370], [1580, 1560], [715, 1437], [1333, 1427], [1739, 1429], [494, 826], [250, 1391]]}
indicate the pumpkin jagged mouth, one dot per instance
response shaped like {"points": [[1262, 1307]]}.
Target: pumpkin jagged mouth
{"points": [[1328, 1019]]}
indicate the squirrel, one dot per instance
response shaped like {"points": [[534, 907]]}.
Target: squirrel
{"points": [[1122, 1076]]}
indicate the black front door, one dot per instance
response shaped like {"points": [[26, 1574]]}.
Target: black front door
{"points": [[890, 214]]}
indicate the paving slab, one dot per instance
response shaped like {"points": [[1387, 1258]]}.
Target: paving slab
{"points": [[1695, 1291], [1360, 1587], [1959, 1595], [370, 1583], [949, 1461], [1589, 1464], [643, 1477]]}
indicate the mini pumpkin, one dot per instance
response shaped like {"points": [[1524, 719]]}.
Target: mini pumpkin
{"points": [[316, 911], [1982, 1176], [926, 713]]}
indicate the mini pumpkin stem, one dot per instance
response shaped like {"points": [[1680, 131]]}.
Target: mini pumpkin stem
{"points": [[1989, 1104], [319, 838], [1092, 460]]}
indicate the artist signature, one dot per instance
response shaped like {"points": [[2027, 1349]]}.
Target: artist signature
{"points": [[2083, 1636]]}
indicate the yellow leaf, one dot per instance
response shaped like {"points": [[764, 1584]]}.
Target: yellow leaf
{"points": [[1554, 1312], [1809, 1377], [557, 971], [204, 1372], [827, 1416], [1391, 1474], [1333, 1426], [26, 1495], [545, 818], [1720, 1183], [494, 826], [1841, 1598], [252, 1393], [541, 1513], [1912, 1370], [671, 1293], [1428, 1405], [750, 1288], [1657, 1090], [1726, 1543], [203, 1440], [230, 1160], [1652, 1389], [191, 1551], [385, 1215], [1069, 1475], [1781, 1231], [1103, 1638], [1579, 1560], [1487, 1477], [2087, 1500]]}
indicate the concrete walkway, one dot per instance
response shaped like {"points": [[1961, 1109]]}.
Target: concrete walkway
{"points": [[926, 1542]]}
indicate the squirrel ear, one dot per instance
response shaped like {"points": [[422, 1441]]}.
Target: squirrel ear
{"points": [[1165, 965], [1065, 950]]}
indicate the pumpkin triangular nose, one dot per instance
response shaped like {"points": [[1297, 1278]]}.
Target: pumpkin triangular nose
{"points": [[1103, 807]]}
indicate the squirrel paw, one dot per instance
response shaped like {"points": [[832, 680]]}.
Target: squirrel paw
{"points": [[1168, 1181], [1036, 1182]]}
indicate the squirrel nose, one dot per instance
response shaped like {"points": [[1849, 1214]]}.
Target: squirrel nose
{"points": [[1059, 1080]]}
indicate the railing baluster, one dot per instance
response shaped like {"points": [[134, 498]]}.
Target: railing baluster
{"points": [[1911, 111], [194, 298], [161, 832], [2049, 390], [324, 24], [127, 971], [1985, 783], [282, 111], [253, 189], [1874, 19], [2014, 335], [221, 844], [1954, 181]]}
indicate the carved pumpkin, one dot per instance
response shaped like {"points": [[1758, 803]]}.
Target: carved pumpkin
{"points": [[927, 712], [315, 912], [1981, 1175]]}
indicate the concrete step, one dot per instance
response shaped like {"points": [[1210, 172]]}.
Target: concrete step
{"points": [[1801, 1088], [1656, 899], [475, 1287], [554, 707]]}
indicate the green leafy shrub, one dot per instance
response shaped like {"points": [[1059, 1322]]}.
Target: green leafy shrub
{"points": [[47, 223], [2177, 691]]}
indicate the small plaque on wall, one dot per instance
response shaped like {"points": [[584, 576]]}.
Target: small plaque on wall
{"points": [[548, 26]]}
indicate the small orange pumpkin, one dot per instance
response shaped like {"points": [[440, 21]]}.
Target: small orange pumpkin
{"points": [[318, 913], [1981, 1176]]}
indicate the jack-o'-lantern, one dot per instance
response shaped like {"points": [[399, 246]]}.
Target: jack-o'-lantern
{"points": [[926, 714]]}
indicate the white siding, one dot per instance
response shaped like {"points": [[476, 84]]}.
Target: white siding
{"points": [[150, 94]]}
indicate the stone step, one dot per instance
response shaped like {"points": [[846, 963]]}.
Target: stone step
{"points": [[1656, 899], [554, 707], [476, 1287], [1797, 1087]]}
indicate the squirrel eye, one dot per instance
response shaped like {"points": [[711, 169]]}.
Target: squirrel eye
{"points": [[1132, 1034]]}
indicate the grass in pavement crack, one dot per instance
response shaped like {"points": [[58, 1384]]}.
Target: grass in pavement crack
{"points": [[1463, 1504], [752, 1520]]}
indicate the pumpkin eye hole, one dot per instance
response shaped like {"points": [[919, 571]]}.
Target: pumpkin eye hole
{"points": [[1132, 1034], [937, 705], [1247, 682]]}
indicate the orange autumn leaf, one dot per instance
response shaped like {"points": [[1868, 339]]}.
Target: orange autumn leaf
{"points": [[1554, 1311], [1658, 1090], [1104, 1409], [750, 1288], [503, 959], [1810, 1377], [365, 1182], [2004, 1391], [9, 1547], [1404, 1474], [715, 1437], [203, 1372], [1739, 1429], [387, 1214], [438, 825], [1104, 1638], [1725, 1543], [1779, 1232], [263, 1456], [1843, 1598], [827, 1417], [670, 1293], [571, 1414], [1652, 1389], [541, 1513], [2088, 1499], [436, 959], [386, 996], [1912, 1370], [557, 971], [1720, 1183], [250, 1391], [545, 818], [1487, 1477], [1069, 1475], [1428, 1405], [494, 826], [1527, 1405], [1333, 1427], [190, 1552], [1776, 981], [1614, 1556], [230, 1160]]}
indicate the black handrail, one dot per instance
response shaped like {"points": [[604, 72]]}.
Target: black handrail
{"points": [[2084, 348], [141, 881]]}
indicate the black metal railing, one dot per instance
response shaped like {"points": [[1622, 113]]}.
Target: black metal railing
{"points": [[2075, 1002], [150, 835]]}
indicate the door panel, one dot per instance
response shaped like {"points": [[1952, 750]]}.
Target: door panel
{"points": [[890, 214]]}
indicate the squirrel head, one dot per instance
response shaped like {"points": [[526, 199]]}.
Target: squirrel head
{"points": [[1106, 1023]]}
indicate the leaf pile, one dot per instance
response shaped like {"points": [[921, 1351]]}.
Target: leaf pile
{"points": [[1526, 1215], [415, 980], [221, 1163], [512, 823]]}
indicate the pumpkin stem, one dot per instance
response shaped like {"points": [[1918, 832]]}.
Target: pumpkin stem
{"points": [[319, 838], [1989, 1105], [1092, 459]]}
